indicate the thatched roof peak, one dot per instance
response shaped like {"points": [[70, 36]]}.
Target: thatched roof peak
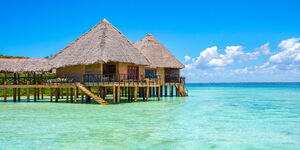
{"points": [[101, 44], [158, 55]]}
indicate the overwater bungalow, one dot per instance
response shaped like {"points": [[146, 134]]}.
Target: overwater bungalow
{"points": [[101, 65]]}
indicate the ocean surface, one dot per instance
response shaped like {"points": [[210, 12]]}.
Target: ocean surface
{"points": [[225, 117]]}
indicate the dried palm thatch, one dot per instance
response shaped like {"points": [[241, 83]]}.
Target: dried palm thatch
{"points": [[23, 65], [158, 55], [103, 43]]}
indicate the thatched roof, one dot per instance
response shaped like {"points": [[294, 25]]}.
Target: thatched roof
{"points": [[103, 43], [158, 55], [21, 65]]}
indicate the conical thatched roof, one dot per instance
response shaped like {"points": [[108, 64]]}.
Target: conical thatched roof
{"points": [[103, 43], [22, 65], [158, 55]]}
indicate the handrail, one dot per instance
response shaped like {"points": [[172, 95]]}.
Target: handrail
{"points": [[118, 78]]}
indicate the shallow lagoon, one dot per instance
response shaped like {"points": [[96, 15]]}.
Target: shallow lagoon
{"points": [[212, 117]]}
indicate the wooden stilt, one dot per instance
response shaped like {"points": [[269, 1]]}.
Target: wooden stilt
{"points": [[147, 93], [158, 93], [166, 90], [135, 94], [34, 94], [82, 96], [171, 90], [14, 94], [51, 95], [38, 93], [28, 94], [161, 91], [42, 93], [67, 95], [72, 95], [114, 94], [4, 94], [19, 94], [56, 94], [75, 95], [118, 94]]}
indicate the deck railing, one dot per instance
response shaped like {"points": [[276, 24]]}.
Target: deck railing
{"points": [[119, 78]]}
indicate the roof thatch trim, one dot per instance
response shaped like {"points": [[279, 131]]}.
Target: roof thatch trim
{"points": [[22, 65], [158, 55], [101, 44]]}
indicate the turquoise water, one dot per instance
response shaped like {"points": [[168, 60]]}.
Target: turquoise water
{"points": [[229, 117]]}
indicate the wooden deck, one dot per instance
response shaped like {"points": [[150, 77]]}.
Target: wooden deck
{"points": [[118, 91]]}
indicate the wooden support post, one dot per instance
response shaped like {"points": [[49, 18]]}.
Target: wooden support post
{"points": [[38, 93], [51, 95], [67, 95], [158, 93], [147, 93], [171, 90], [75, 95], [161, 91], [177, 91], [135, 94], [28, 94], [19, 94], [34, 94], [82, 96], [71, 95], [166, 90], [118, 94], [14, 94], [4, 94], [88, 98], [42, 93], [128, 94], [61, 93], [114, 94], [56, 94]]}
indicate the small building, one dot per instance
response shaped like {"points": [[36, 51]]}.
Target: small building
{"points": [[162, 62], [102, 53], [101, 62]]}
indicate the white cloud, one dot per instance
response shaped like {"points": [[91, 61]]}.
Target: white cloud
{"points": [[211, 66], [264, 49], [288, 57], [187, 58]]}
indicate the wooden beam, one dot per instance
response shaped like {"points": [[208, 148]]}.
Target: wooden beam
{"points": [[67, 95]]}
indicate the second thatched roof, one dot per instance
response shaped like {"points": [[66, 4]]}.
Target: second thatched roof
{"points": [[158, 55], [22, 65], [103, 43]]}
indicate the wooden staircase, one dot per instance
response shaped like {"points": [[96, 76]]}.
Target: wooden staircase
{"points": [[98, 99], [181, 90]]}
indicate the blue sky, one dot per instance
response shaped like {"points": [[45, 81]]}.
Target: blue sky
{"points": [[186, 28]]}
